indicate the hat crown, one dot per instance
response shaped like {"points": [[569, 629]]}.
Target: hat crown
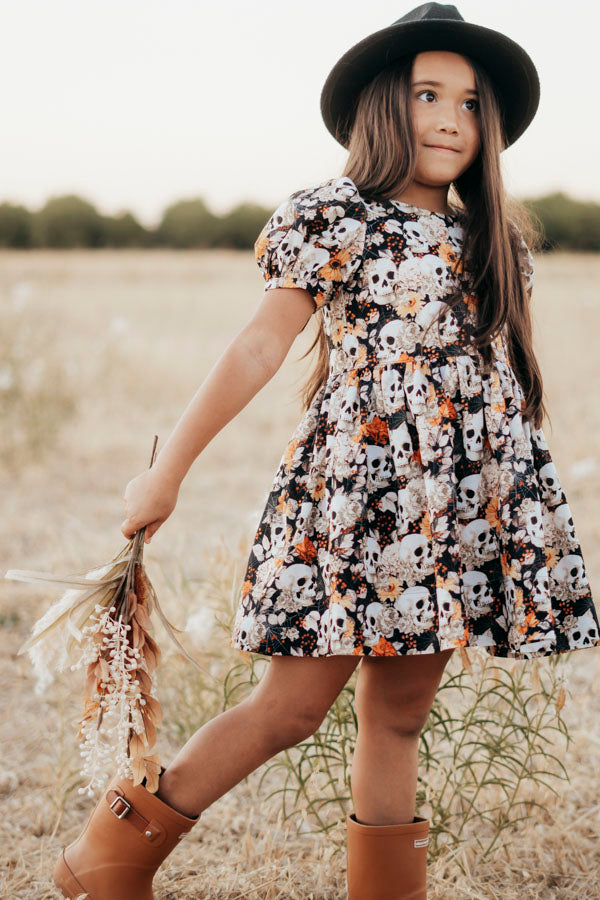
{"points": [[431, 11], [433, 26]]}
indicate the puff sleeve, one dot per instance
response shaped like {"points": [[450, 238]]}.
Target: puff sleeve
{"points": [[314, 240]]}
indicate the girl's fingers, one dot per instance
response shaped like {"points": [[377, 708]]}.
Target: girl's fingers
{"points": [[150, 532], [127, 532]]}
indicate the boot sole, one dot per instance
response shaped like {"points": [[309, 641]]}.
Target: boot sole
{"points": [[66, 882]]}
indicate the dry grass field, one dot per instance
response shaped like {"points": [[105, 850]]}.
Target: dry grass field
{"points": [[136, 332]]}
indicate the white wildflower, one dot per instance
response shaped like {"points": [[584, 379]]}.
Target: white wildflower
{"points": [[200, 626]]}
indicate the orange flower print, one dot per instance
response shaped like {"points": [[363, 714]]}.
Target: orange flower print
{"points": [[290, 453], [383, 648], [491, 513], [306, 550], [332, 271], [392, 589], [410, 305], [448, 254], [319, 489], [376, 431], [551, 556]]}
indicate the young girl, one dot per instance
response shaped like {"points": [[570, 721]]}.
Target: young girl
{"points": [[416, 508]]}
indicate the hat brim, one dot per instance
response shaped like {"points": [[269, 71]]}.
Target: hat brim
{"points": [[509, 66]]}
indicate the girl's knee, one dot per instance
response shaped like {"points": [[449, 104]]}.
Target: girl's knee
{"points": [[285, 725], [401, 721], [397, 695]]}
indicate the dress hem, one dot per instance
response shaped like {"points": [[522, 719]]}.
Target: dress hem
{"points": [[494, 650]]}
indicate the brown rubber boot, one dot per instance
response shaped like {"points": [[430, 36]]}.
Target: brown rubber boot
{"points": [[387, 862], [128, 835]]}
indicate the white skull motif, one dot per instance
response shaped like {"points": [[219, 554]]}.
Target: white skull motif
{"points": [[371, 626], [337, 510], [416, 608], [585, 633], [473, 436], [478, 595], [449, 328], [349, 408], [435, 271], [445, 606], [391, 386], [415, 236], [541, 587], [551, 489], [383, 274], [401, 445], [248, 634], [303, 517], [416, 553], [534, 525], [429, 312], [417, 390], [378, 465], [350, 346], [569, 573], [467, 496], [478, 536], [372, 557], [334, 619], [402, 516], [298, 581], [278, 536], [468, 375], [390, 342], [510, 596], [563, 521]]}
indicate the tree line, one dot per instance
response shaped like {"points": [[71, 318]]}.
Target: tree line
{"points": [[71, 221]]}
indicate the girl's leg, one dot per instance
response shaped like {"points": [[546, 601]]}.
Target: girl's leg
{"points": [[286, 707], [393, 698]]}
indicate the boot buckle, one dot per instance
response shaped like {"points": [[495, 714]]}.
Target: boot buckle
{"points": [[124, 811]]}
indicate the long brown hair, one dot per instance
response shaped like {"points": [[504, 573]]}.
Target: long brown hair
{"points": [[381, 162]]}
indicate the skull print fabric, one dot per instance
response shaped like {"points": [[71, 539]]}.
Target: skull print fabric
{"points": [[413, 509]]}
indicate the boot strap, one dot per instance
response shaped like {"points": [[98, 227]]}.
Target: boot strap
{"points": [[122, 807], [152, 831]]}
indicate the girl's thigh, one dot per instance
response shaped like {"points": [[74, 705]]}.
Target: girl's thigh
{"points": [[307, 685]]}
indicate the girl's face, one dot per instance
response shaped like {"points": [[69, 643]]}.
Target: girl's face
{"points": [[445, 112]]}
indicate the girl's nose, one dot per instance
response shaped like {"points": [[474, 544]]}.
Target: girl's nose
{"points": [[447, 125]]}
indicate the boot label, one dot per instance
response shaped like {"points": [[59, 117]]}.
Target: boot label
{"points": [[421, 842]]}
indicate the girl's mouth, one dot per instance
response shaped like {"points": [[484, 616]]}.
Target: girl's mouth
{"points": [[440, 149]]}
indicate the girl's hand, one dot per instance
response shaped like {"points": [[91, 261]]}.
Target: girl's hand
{"points": [[150, 499]]}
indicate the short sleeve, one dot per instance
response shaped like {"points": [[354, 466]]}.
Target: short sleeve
{"points": [[526, 263], [314, 240]]}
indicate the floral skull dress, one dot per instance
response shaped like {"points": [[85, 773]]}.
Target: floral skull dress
{"points": [[413, 510]]}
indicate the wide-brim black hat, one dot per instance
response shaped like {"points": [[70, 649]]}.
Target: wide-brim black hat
{"points": [[433, 26]]}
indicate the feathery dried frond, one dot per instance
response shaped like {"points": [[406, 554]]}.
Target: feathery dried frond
{"points": [[102, 623]]}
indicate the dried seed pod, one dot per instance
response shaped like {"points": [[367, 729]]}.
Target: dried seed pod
{"points": [[137, 745], [142, 617], [153, 709]]}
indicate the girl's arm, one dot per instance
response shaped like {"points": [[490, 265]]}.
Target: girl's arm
{"points": [[247, 364]]}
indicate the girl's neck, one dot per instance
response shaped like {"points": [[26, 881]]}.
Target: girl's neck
{"points": [[435, 199]]}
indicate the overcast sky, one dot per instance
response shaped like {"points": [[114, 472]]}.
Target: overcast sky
{"points": [[134, 104]]}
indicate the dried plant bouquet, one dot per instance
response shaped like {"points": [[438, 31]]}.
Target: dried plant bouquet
{"points": [[103, 623]]}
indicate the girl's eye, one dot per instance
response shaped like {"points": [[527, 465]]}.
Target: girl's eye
{"points": [[468, 100]]}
